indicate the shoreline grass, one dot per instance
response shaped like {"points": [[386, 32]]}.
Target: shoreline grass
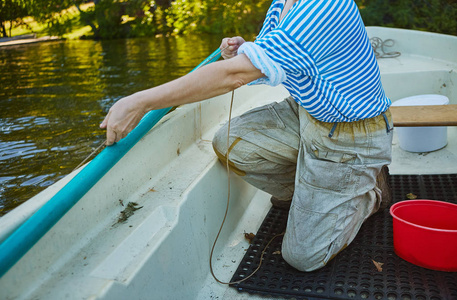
{"points": [[40, 29]]}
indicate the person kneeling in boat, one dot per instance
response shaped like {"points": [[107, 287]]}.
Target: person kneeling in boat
{"points": [[321, 150]]}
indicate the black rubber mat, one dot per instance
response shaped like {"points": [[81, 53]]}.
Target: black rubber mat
{"points": [[352, 273]]}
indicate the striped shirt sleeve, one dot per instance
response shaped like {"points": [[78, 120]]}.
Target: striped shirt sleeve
{"points": [[286, 51], [274, 73]]}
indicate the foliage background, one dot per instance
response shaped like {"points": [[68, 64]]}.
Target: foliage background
{"points": [[107, 19], [428, 15]]}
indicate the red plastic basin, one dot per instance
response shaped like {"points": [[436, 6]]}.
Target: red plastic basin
{"points": [[425, 233]]}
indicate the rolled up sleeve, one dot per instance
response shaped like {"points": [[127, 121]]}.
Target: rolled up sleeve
{"points": [[274, 73]]}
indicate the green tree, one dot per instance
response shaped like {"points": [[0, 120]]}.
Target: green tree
{"points": [[130, 18], [429, 15], [50, 12], [214, 16], [121, 18], [11, 11]]}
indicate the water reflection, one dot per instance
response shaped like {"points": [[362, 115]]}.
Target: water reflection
{"points": [[53, 97]]}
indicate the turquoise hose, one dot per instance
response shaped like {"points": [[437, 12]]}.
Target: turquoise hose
{"points": [[31, 231]]}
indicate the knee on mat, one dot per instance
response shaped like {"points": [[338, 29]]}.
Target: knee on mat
{"points": [[306, 260]]}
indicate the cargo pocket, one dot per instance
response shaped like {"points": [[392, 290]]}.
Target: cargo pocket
{"points": [[323, 153], [328, 170]]}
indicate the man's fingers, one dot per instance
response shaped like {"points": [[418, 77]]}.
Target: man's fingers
{"points": [[110, 137], [120, 136], [229, 47], [105, 122], [235, 41], [224, 43]]}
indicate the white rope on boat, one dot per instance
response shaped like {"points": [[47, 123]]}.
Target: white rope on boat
{"points": [[379, 50]]}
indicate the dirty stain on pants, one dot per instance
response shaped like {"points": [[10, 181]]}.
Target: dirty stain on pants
{"points": [[284, 151]]}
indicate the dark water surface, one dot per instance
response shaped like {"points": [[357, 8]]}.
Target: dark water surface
{"points": [[54, 95]]}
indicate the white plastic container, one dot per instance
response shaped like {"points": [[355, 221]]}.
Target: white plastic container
{"points": [[422, 139]]}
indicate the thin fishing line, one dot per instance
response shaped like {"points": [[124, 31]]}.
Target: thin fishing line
{"points": [[226, 212], [90, 155]]}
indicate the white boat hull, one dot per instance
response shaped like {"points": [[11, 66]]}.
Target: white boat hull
{"points": [[162, 251]]}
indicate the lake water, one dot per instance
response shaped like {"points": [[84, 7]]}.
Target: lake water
{"points": [[54, 95]]}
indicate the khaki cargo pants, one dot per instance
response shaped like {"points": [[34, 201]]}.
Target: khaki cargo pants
{"points": [[328, 169]]}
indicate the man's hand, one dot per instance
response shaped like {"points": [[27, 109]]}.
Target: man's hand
{"points": [[230, 46], [122, 117]]}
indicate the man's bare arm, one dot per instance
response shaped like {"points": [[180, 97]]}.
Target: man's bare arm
{"points": [[209, 81]]}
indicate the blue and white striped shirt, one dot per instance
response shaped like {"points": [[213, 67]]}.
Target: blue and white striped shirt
{"points": [[321, 53]]}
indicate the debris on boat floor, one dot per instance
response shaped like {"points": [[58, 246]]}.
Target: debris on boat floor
{"points": [[378, 265], [249, 236], [277, 252], [127, 212], [150, 190], [411, 196]]}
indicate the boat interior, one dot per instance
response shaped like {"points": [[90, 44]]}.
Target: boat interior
{"points": [[180, 191]]}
